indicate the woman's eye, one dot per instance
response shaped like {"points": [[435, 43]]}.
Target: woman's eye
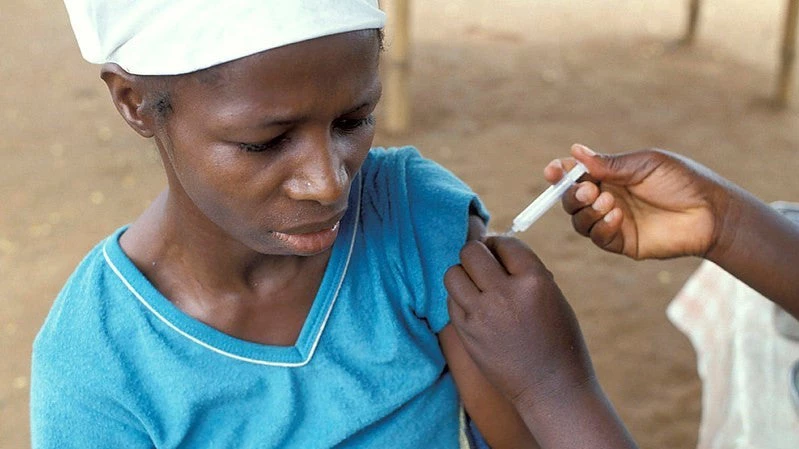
{"points": [[348, 125], [272, 144]]}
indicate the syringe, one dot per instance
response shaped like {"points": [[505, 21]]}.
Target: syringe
{"points": [[546, 200]]}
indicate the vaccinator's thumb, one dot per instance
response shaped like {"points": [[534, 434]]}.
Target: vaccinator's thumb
{"points": [[620, 169]]}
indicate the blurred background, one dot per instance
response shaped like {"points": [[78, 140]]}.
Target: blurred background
{"points": [[498, 89]]}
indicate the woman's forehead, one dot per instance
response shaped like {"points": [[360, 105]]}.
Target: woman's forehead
{"points": [[333, 71], [352, 47]]}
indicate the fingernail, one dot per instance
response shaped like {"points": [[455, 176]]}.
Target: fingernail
{"points": [[599, 204], [610, 216], [582, 193], [585, 150]]}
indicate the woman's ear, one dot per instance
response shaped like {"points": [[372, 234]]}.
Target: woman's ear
{"points": [[128, 94]]}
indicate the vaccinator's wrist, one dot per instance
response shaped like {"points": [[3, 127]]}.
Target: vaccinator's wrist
{"points": [[537, 406], [592, 420], [564, 376], [559, 388], [730, 204]]}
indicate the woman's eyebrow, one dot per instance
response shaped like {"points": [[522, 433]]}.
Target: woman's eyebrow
{"points": [[369, 99], [358, 108], [372, 97], [278, 122]]}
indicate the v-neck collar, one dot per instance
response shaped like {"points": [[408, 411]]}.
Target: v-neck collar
{"points": [[212, 339]]}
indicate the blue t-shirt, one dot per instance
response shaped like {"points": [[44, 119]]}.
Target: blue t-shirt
{"points": [[117, 365]]}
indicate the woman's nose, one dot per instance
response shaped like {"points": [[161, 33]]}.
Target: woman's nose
{"points": [[321, 177]]}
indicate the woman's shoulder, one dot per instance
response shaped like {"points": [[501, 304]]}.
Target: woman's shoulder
{"points": [[388, 180], [391, 174], [401, 169], [381, 159], [85, 280], [394, 153], [83, 305]]}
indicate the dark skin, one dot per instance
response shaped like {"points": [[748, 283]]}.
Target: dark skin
{"points": [[654, 204], [520, 330], [259, 157]]}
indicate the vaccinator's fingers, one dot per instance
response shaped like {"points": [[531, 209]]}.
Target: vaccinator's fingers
{"points": [[557, 168], [456, 313], [579, 196], [586, 218], [460, 286], [514, 255], [607, 234], [481, 265]]}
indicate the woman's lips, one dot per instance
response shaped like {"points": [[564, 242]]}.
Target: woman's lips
{"points": [[310, 242]]}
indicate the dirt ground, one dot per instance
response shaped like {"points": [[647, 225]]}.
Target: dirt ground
{"points": [[499, 89]]}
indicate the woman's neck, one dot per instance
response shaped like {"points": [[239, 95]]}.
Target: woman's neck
{"points": [[175, 250], [216, 280]]}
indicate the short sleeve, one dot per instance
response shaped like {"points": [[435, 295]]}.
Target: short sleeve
{"points": [[64, 417], [430, 209], [72, 404]]}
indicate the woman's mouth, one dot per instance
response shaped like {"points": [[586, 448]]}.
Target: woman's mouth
{"points": [[310, 242]]}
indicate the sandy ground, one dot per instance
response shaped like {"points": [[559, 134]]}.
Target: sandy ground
{"points": [[499, 89]]}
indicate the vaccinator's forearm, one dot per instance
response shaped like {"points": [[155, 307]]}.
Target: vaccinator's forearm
{"points": [[580, 417], [760, 246]]}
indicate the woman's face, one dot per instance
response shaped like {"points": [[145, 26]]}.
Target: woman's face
{"points": [[264, 149]]}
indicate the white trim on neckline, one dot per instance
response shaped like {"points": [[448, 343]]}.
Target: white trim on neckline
{"points": [[238, 357]]}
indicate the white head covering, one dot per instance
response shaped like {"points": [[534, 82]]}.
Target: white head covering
{"points": [[170, 37]]}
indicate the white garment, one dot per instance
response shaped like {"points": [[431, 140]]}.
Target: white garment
{"points": [[743, 359]]}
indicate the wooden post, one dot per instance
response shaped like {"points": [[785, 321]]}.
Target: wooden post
{"points": [[788, 56], [693, 20], [396, 92]]}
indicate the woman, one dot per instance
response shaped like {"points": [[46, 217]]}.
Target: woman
{"points": [[286, 289]]}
